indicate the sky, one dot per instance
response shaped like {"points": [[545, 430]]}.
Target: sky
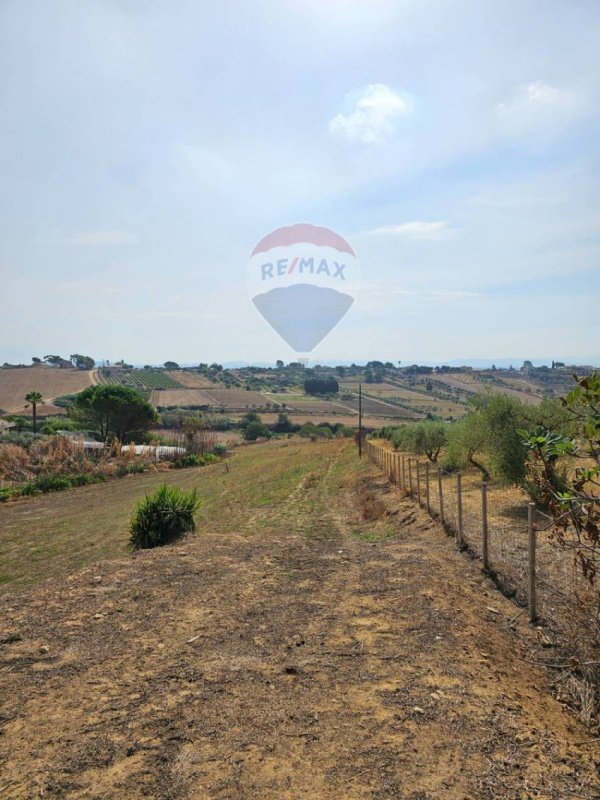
{"points": [[146, 147]]}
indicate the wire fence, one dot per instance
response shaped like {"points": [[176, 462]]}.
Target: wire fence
{"points": [[514, 541]]}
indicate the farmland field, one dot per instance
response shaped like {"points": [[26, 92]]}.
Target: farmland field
{"points": [[236, 398], [51, 382], [419, 402], [140, 379], [180, 398], [190, 380], [307, 404], [296, 647]]}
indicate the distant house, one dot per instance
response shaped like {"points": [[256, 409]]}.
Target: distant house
{"points": [[5, 426]]}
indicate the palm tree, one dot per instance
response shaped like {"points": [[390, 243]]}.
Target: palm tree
{"points": [[33, 398]]}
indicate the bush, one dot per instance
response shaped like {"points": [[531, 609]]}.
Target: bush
{"points": [[255, 430], [189, 460], [46, 483], [8, 493], [55, 424], [132, 468], [163, 517], [220, 449]]}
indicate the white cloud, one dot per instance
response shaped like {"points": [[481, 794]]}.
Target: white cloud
{"points": [[374, 111], [99, 238], [538, 106], [416, 230]]}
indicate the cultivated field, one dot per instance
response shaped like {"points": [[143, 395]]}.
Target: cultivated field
{"points": [[140, 378], [307, 404], [190, 380], [319, 638], [180, 398], [51, 382], [215, 399]]}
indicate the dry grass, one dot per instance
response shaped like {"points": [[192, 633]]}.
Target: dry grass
{"points": [[53, 534], [291, 649], [16, 383], [191, 380], [567, 605], [180, 398]]}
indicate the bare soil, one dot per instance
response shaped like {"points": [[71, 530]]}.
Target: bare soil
{"points": [[330, 644], [51, 382]]}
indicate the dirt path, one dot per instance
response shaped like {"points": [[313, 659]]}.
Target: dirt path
{"points": [[309, 654]]}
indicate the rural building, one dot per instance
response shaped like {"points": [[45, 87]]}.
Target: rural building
{"points": [[5, 426]]}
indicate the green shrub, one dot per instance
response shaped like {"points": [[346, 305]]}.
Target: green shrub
{"points": [[163, 517], [220, 449], [189, 460], [255, 430], [85, 478], [47, 483], [133, 468], [8, 493]]}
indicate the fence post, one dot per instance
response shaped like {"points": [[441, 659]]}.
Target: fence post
{"points": [[410, 480], [404, 479], [531, 535], [484, 523], [418, 482], [427, 488], [459, 519], [441, 494], [397, 457]]}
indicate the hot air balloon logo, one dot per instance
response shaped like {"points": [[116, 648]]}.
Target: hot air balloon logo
{"points": [[303, 279]]}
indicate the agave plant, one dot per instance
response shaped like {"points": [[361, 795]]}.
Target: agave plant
{"points": [[163, 517]]}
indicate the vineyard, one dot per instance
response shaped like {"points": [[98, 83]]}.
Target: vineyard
{"points": [[139, 378]]}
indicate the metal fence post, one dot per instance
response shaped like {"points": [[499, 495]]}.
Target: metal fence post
{"points": [[427, 488], [418, 482], [459, 519], [531, 589], [441, 494], [484, 525]]}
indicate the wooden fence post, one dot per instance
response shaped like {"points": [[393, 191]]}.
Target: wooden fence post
{"points": [[410, 480], [427, 488], [459, 518], [531, 535], [484, 525], [418, 482], [441, 494]]}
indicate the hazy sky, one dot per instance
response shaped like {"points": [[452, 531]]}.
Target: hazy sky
{"points": [[145, 147]]}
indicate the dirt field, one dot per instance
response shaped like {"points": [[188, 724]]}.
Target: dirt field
{"points": [[191, 380], [16, 383], [180, 397], [238, 399], [292, 649]]}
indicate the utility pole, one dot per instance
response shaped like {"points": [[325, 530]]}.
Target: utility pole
{"points": [[360, 431]]}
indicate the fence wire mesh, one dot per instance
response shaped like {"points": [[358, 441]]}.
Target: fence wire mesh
{"points": [[562, 598]]}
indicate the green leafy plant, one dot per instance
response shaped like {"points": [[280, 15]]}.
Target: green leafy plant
{"points": [[573, 501], [163, 517]]}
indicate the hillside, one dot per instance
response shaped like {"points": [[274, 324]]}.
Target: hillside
{"points": [[319, 638], [15, 383], [400, 395]]}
